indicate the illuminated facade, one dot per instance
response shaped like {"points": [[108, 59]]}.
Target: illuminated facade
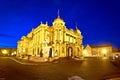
{"points": [[98, 51], [51, 41]]}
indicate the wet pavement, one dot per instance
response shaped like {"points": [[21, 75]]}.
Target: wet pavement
{"points": [[90, 69]]}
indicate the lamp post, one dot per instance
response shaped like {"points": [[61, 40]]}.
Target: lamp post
{"points": [[5, 52]]}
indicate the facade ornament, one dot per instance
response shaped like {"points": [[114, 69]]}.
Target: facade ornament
{"points": [[46, 22], [41, 22]]}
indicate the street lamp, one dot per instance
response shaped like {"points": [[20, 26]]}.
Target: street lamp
{"points": [[104, 51], [4, 51]]}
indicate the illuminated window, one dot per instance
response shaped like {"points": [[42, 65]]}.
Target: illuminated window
{"points": [[23, 49]]}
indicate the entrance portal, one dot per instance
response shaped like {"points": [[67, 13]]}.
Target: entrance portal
{"points": [[50, 52], [70, 52]]}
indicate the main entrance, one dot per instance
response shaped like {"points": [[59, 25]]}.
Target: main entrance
{"points": [[70, 51]]}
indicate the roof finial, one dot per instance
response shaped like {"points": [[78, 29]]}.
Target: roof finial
{"points": [[46, 23], [41, 22], [58, 13], [32, 29], [76, 26]]}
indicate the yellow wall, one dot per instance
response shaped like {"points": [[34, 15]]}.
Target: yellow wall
{"points": [[103, 51]]}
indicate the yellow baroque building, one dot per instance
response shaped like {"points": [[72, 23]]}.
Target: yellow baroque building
{"points": [[51, 41]]}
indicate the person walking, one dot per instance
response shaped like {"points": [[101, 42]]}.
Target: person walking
{"points": [[41, 53]]}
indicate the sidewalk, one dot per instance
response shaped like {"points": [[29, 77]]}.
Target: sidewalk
{"points": [[67, 60], [25, 61], [38, 59], [32, 61]]}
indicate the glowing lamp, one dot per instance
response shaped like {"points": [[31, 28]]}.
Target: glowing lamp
{"points": [[4, 51], [45, 59], [55, 54], [85, 52], [14, 53], [104, 51]]}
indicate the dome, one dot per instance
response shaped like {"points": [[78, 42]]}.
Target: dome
{"points": [[58, 19], [58, 22]]}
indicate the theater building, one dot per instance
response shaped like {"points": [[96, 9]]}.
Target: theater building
{"points": [[51, 41]]}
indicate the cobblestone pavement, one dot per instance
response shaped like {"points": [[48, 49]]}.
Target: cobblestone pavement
{"points": [[90, 69]]}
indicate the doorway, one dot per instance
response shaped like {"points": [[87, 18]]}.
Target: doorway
{"points": [[70, 51]]}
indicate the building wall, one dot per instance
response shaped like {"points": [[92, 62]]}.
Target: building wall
{"points": [[87, 51], [57, 37], [98, 51], [102, 51]]}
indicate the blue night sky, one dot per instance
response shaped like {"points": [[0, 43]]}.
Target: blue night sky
{"points": [[98, 20]]}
